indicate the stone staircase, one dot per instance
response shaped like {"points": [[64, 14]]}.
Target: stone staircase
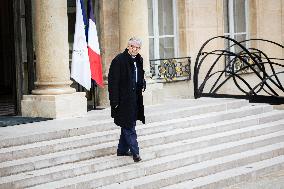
{"points": [[203, 143]]}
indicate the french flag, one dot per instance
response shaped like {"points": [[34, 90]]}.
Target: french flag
{"points": [[94, 49], [80, 68]]}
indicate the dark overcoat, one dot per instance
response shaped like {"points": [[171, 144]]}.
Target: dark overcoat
{"points": [[123, 92]]}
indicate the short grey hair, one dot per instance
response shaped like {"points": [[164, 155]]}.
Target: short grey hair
{"points": [[135, 40]]}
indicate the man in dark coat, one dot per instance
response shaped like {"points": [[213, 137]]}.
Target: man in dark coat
{"points": [[125, 85]]}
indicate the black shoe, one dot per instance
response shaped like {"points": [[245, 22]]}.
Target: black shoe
{"points": [[124, 154], [137, 158]]}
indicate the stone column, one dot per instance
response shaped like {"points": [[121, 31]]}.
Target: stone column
{"points": [[133, 21], [53, 97], [109, 38], [52, 58]]}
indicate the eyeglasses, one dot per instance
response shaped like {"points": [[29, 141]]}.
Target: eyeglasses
{"points": [[135, 47]]}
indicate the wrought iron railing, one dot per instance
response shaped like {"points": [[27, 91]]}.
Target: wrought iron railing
{"points": [[171, 69], [266, 85], [240, 65]]}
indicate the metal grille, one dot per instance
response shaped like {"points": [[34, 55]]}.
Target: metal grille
{"points": [[171, 69]]}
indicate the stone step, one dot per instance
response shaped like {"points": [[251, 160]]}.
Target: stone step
{"points": [[56, 129], [172, 113], [169, 162], [45, 147], [41, 161], [215, 139], [231, 176], [179, 103], [174, 159], [168, 170], [182, 139], [168, 104], [185, 108], [201, 169], [37, 162]]}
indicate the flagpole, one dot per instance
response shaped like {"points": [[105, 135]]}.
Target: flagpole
{"points": [[94, 93]]}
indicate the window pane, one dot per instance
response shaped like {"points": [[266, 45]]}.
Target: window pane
{"points": [[227, 57], [227, 45], [240, 16], [240, 38], [165, 17], [150, 18], [166, 47], [226, 16], [151, 48]]}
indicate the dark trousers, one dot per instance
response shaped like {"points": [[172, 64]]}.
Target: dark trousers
{"points": [[128, 140]]}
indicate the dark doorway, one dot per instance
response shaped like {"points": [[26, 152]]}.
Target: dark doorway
{"points": [[8, 95]]}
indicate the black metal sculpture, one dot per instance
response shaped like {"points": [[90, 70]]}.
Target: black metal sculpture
{"points": [[268, 87]]}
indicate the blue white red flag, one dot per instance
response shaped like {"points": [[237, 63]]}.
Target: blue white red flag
{"points": [[80, 68], [94, 49]]}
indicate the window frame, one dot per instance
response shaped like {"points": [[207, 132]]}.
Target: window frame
{"points": [[156, 36], [231, 27]]}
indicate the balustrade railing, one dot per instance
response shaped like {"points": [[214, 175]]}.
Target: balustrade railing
{"points": [[171, 69]]}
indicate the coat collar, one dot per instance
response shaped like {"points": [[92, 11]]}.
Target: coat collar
{"points": [[129, 61], [138, 56]]}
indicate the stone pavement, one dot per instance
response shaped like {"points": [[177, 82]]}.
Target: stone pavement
{"points": [[274, 180]]}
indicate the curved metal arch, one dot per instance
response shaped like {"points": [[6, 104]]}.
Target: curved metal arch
{"points": [[252, 59]]}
